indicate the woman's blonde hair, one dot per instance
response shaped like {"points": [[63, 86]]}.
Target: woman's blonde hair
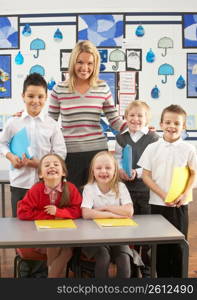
{"points": [[115, 180], [87, 47], [141, 104], [65, 200]]}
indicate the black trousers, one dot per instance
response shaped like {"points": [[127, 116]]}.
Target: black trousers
{"points": [[140, 202], [16, 195], [78, 165], [169, 256]]}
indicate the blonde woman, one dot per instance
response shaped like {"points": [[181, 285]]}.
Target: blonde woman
{"points": [[80, 100]]}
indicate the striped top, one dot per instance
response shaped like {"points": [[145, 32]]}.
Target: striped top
{"points": [[80, 116]]}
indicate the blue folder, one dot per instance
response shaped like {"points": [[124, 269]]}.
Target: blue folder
{"points": [[127, 159], [20, 144]]}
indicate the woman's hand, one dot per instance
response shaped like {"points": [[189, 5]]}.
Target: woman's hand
{"points": [[18, 114]]}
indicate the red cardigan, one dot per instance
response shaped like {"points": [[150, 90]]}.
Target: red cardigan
{"points": [[31, 207]]}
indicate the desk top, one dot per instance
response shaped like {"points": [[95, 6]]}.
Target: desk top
{"points": [[151, 228], [4, 176]]}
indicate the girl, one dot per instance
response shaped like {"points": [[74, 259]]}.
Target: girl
{"points": [[105, 197], [52, 198]]}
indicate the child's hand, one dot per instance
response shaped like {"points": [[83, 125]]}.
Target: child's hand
{"points": [[123, 175], [180, 200], [133, 174], [15, 160], [151, 128], [32, 163], [50, 209]]}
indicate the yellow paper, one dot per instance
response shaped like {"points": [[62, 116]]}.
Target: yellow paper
{"points": [[115, 222], [180, 178], [55, 224]]}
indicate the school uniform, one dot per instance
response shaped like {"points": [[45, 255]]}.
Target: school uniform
{"points": [[94, 198], [139, 140], [45, 137], [161, 158]]}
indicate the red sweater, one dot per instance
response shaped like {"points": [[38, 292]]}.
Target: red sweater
{"points": [[31, 207]]}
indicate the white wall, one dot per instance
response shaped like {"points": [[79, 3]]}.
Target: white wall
{"points": [[50, 56], [45, 6]]}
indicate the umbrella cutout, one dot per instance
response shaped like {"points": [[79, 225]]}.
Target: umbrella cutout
{"points": [[116, 56], [37, 45], [165, 70], [37, 69], [165, 42]]}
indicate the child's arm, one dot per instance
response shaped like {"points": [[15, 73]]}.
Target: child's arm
{"points": [[125, 210], [15, 160], [73, 211], [147, 178], [29, 207], [31, 163], [181, 199], [90, 213], [58, 145]]}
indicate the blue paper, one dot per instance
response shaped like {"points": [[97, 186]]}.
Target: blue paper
{"points": [[20, 143], [127, 160]]}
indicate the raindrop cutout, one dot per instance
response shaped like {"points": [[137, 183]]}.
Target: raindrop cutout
{"points": [[19, 59], [180, 83], [155, 92], [58, 36], [140, 31], [150, 56], [26, 30]]}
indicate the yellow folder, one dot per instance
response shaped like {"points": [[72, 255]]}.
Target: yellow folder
{"points": [[115, 222], [179, 181], [54, 224]]}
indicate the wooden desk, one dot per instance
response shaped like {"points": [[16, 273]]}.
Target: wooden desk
{"points": [[151, 229], [4, 179]]}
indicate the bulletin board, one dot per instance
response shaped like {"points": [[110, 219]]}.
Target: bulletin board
{"points": [[146, 56]]}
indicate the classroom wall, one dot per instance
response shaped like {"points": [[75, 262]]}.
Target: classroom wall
{"points": [[156, 23]]}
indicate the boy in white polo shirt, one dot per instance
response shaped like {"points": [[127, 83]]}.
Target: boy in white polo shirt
{"points": [[43, 134], [158, 161]]}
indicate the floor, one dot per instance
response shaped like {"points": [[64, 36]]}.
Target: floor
{"points": [[7, 255]]}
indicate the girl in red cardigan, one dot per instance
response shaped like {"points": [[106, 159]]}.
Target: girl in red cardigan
{"points": [[52, 198]]}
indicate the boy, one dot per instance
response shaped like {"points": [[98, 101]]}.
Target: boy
{"points": [[138, 136], [158, 161], [43, 132]]}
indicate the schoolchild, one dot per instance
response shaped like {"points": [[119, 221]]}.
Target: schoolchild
{"points": [[43, 134], [158, 162], [104, 196], [52, 198]]}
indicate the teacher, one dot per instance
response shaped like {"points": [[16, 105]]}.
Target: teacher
{"points": [[80, 100]]}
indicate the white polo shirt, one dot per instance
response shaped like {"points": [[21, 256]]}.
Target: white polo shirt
{"points": [[94, 198], [45, 137], [161, 157]]}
